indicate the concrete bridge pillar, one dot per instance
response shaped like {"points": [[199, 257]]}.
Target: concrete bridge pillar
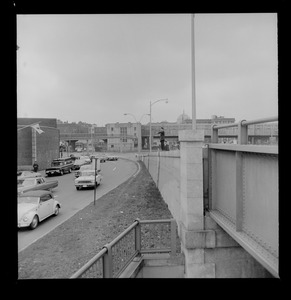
{"points": [[194, 239]]}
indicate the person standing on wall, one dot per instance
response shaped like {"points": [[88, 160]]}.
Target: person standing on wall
{"points": [[162, 138]]}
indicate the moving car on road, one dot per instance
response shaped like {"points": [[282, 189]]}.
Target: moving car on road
{"points": [[37, 183], [60, 166], [87, 179], [35, 206], [80, 162], [112, 157], [102, 158]]}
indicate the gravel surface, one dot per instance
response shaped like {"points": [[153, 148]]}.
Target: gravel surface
{"points": [[60, 253]]}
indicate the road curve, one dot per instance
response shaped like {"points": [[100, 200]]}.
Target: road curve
{"points": [[114, 173]]}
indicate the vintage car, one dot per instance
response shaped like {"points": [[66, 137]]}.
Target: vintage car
{"points": [[87, 159], [26, 174], [60, 166], [89, 167], [102, 158], [35, 206], [37, 183], [87, 179], [74, 157], [112, 157], [78, 163]]}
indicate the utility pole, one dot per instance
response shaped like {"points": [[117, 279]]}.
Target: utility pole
{"points": [[95, 180], [193, 74]]}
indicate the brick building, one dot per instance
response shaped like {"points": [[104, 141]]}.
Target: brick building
{"points": [[33, 146]]}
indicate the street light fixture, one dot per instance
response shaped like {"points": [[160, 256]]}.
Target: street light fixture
{"points": [[151, 104]]}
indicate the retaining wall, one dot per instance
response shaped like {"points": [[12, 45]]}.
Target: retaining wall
{"points": [[164, 168]]}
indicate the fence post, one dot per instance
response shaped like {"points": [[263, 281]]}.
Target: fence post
{"points": [[158, 171], [214, 134], [138, 236], [206, 175], [242, 139], [107, 262], [239, 190], [242, 133], [173, 236]]}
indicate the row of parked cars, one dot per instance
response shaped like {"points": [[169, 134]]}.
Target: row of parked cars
{"points": [[35, 199]]}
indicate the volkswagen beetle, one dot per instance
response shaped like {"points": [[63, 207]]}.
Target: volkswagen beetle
{"points": [[35, 206]]}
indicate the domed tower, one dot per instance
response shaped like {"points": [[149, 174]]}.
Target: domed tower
{"points": [[182, 118]]}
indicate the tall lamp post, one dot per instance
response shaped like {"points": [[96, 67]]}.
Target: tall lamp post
{"points": [[139, 131], [151, 104]]}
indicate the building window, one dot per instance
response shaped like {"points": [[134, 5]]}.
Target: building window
{"points": [[112, 146], [134, 128], [123, 130], [111, 128]]}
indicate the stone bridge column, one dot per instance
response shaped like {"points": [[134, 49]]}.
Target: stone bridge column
{"points": [[194, 239]]}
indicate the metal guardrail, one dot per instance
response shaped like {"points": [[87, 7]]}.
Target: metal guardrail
{"points": [[246, 123], [243, 192], [242, 128], [143, 236]]}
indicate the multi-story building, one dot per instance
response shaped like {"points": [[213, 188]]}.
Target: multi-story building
{"points": [[123, 137], [33, 146], [172, 128]]}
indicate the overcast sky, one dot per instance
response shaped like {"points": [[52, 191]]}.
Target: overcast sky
{"points": [[95, 68]]}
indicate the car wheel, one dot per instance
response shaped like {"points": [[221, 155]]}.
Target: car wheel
{"points": [[70, 170], [57, 210], [62, 172], [34, 222], [77, 188]]}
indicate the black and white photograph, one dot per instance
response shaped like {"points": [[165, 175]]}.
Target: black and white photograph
{"points": [[147, 145]]}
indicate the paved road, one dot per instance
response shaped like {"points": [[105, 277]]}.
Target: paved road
{"points": [[113, 172]]}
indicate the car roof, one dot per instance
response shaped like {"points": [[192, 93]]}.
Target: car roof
{"points": [[37, 193]]}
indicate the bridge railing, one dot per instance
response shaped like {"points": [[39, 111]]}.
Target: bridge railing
{"points": [[89, 136], [243, 192], [143, 236]]}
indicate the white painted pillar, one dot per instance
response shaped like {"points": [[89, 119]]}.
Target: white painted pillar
{"points": [[194, 238], [191, 189]]}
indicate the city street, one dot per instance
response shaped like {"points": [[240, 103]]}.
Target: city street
{"points": [[72, 200]]}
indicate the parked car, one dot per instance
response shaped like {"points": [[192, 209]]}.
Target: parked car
{"points": [[27, 174], [87, 179], [35, 206], [60, 166], [37, 183]]}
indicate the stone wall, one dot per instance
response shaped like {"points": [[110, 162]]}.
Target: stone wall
{"points": [[164, 168]]}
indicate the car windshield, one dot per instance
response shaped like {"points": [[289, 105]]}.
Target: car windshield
{"points": [[25, 182], [87, 173], [33, 200]]}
